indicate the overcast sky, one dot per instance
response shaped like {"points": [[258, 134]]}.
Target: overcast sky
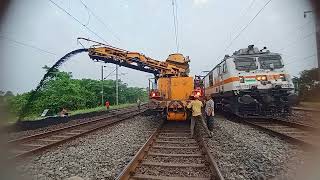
{"points": [[206, 28]]}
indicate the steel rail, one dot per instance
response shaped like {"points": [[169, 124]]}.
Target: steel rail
{"points": [[297, 133], [139, 160], [42, 141], [305, 109], [66, 127], [213, 165]]}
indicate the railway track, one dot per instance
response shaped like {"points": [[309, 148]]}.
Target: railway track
{"points": [[305, 109], [26, 146], [305, 135], [170, 153]]}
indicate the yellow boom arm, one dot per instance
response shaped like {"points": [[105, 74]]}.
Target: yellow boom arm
{"points": [[174, 65]]}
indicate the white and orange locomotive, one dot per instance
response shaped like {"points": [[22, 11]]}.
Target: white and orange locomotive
{"points": [[251, 83]]}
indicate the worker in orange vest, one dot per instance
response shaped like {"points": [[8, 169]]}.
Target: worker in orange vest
{"points": [[107, 104]]}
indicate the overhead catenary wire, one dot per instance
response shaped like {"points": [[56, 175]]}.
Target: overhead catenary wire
{"points": [[244, 12], [74, 18], [28, 45], [89, 15], [109, 74], [298, 60], [246, 26], [293, 43], [305, 66], [289, 34], [136, 82], [175, 23], [297, 29], [107, 27]]}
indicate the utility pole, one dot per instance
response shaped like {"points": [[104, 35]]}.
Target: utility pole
{"points": [[102, 98], [117, 87], [317, 37]]}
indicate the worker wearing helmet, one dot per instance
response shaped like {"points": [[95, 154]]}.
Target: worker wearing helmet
{"points": [[196, 106]]}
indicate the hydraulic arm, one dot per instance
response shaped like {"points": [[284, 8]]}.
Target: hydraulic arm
{"points": [[175, 65]]}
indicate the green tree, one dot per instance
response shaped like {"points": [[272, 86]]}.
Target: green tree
{"points": [[62, 91], [309, 85]]}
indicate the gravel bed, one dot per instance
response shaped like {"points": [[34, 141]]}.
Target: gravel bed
{"points": [[305, 117], [243, 152], [172, 171], [99, 155]]}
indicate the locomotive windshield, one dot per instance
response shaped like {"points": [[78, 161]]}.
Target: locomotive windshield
{"points": [[266, 61], [245, 63]]}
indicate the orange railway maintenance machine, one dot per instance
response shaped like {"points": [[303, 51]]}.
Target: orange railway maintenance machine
{"points": [[174, 86]]}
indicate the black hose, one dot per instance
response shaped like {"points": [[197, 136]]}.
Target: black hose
{"points": [[33, 94]]}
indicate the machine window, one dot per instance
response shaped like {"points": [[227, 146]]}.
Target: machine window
{"points": [[210, 79], [270, 62], [245, 63]]}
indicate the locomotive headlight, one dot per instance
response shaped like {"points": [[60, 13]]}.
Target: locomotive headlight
{"points": [[198, 93], [241, 78], [283, 77], [258, 78], [261, 78]]}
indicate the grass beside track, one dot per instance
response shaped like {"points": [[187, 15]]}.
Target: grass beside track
{"points": [[100, 108], [13, 119]]}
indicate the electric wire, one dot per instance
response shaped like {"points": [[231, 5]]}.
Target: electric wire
{"points": [[89, 16], [304, 58], [293, 43], [136, 82], [175, 24], [109, 74], [65, 11], [246, 26], [290, 33], [108, 28], [28, 45], [244, 12]]}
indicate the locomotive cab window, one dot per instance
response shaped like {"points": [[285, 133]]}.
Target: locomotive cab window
{"points": [[245, 63], [219, 69], [270, 62], [224, 67]]}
